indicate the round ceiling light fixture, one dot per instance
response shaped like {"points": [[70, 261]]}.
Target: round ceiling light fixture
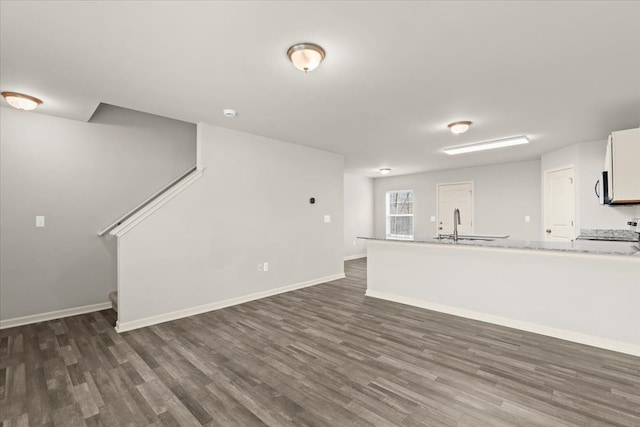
{"points": [[228, 112], [459, 127], [306, 56], [385, 171], [21, 101]]}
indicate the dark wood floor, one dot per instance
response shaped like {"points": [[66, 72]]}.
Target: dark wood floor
{"points": [[324, 355]]}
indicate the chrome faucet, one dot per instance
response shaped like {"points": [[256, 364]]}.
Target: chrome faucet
{"points": [[456, 222]]}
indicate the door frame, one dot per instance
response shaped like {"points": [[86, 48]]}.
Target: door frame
{"points": [[544, 199], [473, 204]]}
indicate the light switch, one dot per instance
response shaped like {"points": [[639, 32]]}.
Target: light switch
{"points": [[433, 219], [527, 218], [266, 266], [327, 218], [39, 221]]}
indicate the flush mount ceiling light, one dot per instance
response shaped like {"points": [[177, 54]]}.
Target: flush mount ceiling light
{"points": [[228, 112], [385, 171], [21, 101], [459, 127], [487, 145], [305, 56]]}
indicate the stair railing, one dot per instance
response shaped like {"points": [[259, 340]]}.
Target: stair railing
{"points": [[149, 200]]}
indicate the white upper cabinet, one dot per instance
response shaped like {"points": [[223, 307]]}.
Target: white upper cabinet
{"points": [[623, 166]]}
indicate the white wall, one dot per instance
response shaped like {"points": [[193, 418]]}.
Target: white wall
{"points": [[504, 194], [250, 206], [81, 177], [358, 214], [588, 161]]}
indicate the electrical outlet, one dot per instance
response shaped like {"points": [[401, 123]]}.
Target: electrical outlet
{"points": [[265, 266], [327, 218], [527, 218], [433, 219], [39, 221]]}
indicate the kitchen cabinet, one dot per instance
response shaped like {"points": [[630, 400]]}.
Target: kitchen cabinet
{"points": [[581, 291]]}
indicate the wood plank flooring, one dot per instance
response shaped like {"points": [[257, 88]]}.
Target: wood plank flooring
{"points": [[320, 356]]}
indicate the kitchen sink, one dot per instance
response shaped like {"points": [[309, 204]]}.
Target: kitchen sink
{"points": [[476, 238], [464, 238], [470, 237]]}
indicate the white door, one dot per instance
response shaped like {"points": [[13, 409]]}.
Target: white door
{"points": [[559, 205], [451, 196]]}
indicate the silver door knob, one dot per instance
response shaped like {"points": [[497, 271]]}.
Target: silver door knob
{"points": [[548, 230]]}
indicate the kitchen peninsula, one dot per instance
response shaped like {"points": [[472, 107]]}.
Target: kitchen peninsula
{"points": [[582, 291]]}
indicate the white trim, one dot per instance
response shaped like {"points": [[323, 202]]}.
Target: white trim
{"points": [[179, 314], [51, 315], [156, 204], [350, 257], [622, 347], [558, 169]]}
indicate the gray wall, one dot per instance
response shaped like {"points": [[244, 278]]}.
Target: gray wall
{"points": [[81, 177], [588, 161], [504, 194], [250, 206], [358, 213]]}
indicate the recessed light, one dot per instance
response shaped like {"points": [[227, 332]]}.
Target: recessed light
{"points": [[459, 127], [385, 171], [306, 56], [21, 101], [227, 112], [487, 145]]}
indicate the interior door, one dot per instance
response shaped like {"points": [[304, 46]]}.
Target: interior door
{"points": [[451, 196], [559, 205]]}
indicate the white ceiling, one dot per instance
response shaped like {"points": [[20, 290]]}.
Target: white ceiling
{"points": [[395, 74]]}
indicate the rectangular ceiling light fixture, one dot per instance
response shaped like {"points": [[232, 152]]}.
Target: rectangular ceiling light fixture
{"points": [[487, 145]]}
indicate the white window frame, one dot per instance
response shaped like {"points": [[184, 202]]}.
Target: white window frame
{"points": [[388, 216]]}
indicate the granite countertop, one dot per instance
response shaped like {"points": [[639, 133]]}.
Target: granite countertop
{"points": [[576, 246], [608, 235]]}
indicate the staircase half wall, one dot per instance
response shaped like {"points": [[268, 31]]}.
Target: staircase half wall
{"points": [[202, 249]]}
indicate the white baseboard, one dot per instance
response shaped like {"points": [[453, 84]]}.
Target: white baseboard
{"points": [[179, 314], [350, 257], [620, 346], [51, 315]]}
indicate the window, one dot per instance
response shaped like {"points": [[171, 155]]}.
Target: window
{"points": [[400, 214]]}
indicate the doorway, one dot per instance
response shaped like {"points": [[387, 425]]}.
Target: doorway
{"points": [[457, 195], [559, 204]]}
